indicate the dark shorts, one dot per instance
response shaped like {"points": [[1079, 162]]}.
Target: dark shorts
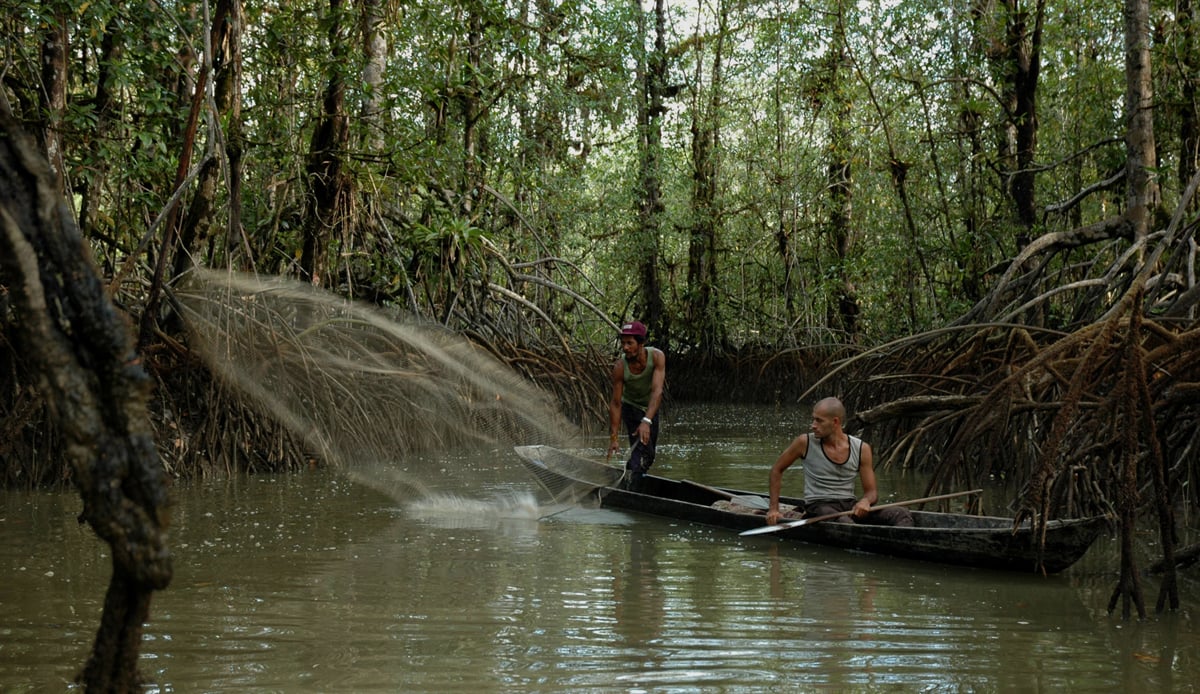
{"points": [[896, 515], [641, 455]]}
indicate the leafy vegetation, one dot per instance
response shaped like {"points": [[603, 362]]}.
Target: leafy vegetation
{"points": [[473, 131]]}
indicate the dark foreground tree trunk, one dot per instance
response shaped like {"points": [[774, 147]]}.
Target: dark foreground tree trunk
{"points": [[72, 339]]}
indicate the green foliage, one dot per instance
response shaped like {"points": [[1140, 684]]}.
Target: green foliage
{"points": [[452, 239], [512, 126]]}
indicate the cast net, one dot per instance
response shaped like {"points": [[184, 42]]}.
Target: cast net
{"points": [[567, 476], [363, 389]]}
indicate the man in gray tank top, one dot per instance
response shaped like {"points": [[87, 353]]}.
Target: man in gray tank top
{"points": [[832, 459]]}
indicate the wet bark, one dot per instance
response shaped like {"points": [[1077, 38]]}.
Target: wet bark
{"points": [[228, 25], [72, 339]]}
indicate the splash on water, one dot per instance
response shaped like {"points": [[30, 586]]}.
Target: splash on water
{"points": [[519, 505], [452, 511]]}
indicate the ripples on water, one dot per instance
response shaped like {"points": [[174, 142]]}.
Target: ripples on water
{"points": [[312, 583]]}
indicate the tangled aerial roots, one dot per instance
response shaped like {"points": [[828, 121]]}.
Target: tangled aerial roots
{"points": [[361, 388]]}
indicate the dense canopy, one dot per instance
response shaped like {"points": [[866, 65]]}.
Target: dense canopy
{"points": [[732, 172]]}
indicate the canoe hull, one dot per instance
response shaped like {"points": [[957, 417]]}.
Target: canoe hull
{"points": [[949, 538]]}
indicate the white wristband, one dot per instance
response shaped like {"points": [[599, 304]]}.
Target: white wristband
{"points": [[647, 420]]}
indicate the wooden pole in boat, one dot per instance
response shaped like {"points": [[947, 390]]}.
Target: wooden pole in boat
{"points": [[808, 521]]}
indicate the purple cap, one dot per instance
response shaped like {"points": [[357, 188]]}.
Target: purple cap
{"points": [[635, 328]]}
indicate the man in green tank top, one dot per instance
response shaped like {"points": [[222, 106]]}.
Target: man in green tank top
{"points": [[638, 378]]}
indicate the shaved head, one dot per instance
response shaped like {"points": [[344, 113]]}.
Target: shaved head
{"points": [[831, 407]]}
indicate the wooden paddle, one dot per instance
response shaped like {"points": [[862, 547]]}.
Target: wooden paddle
{"points": [[807, 521], [748, 500]]}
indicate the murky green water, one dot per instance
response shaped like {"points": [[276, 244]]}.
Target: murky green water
{"points": [[316, 583]]}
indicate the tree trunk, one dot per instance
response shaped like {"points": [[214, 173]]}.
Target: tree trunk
{"points": [[784, 208], [1142, 196], [224, 63], [80, 348], [374, 46], [369, 139], [702, 319], [53, 94], [970, 255], [471, 98], [844, 314], [650, 205], [1189, 118], [329, 189], [1024, 59], [544, 134], [229, 23], [915, 254], [105, 107], [170, 232], [1013, 52]]}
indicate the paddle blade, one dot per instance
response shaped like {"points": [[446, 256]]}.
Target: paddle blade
{"points": [[764, 529]]}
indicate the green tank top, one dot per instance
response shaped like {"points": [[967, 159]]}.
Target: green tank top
{"points": [[637, 386]]}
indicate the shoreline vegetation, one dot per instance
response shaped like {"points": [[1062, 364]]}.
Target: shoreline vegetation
{"points": [[204, 429]]}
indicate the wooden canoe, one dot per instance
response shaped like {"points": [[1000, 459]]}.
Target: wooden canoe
{"points": [[950, 538]]}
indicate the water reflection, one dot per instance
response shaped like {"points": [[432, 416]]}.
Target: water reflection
{"points": [[867, 621], [638, 593], [311, 583], [833, 602]]}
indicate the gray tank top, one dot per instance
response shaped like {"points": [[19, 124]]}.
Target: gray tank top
{"points": [[825, 479]]}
